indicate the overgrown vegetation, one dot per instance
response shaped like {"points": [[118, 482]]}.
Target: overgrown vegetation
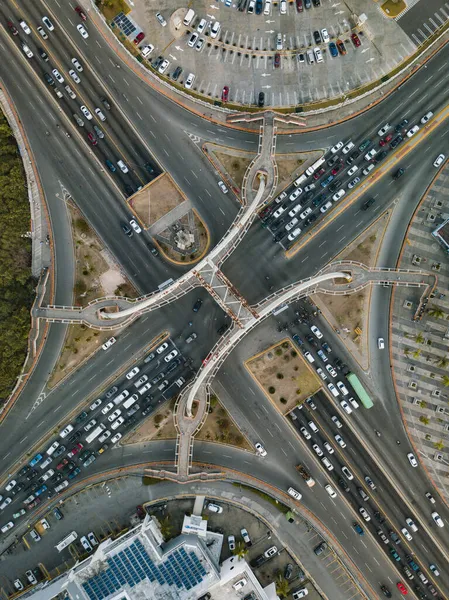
{"points": [[284, 509], [16, 284]]}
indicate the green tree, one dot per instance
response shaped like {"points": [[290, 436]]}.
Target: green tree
{"points": [[443, 362], [435, 312], [424, 420], [439, 445], [282, 586], [240, 550], [416, 353], [419, 339], [166, 527], [445, 380], [407, 352]]}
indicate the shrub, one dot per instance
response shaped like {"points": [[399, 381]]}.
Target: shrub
{"points": [[271, 389], [278, 352], [285, 345], [279, 376], [293, 353], [298, 391], [283, 401]]}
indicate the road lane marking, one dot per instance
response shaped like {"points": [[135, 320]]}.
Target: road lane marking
{"points": [[21, 441]]}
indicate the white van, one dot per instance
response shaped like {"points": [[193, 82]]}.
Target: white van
{"points": [[267, 9], [309, 357], [327, 463], [333, 390], [312, 426], [189, 17]]}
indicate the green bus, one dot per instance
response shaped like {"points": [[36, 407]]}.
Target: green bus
{"points": [[360, 390]]}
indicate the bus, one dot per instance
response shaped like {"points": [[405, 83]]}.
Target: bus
{"points": [[360, 390], [66, 541], [95, 433], [316, 165]]}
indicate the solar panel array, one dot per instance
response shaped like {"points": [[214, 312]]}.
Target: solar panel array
{"points": [[124, 24], [132, 565]]}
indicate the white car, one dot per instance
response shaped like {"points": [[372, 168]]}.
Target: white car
{"points": [[74, 76], [364, 514], [345, 406], [434, 570], [95, 404], [294, 493], [330, 490], [291, 224], [215, 29], [189, 81], [336, 421], [328, 447], [18, 585], [294, 234], [70, 92], [270, 552], [58, 76], [100, 115], [245, 535], [338, 195], [222, 187], [340, 441], [25, 27], [147, 50], [110, 342], [349, 146], [283, 7], [380, 343], [114, 415], [7, 527], [27, 51], [107, 408], [11, 485], [412, 459], [343, 389], [406, 534], [122, 166], [193, 39], [162, 347], [45, 524], [439, 160], [411, 524], [353, 170], [82, 31], [77, 64], [42, 32], [5, 503], [411, 132], [164, 66], [438, 520], [46, 21], [161, 19], [314, 329], [141, 380], [65, 432], [337, 147], [135, 226], [305, 213], [31, 578], [231, 542], [171, 355], [305, 433], [318, 55], [294, 210], [301, 593], [117, 423], [199, 45], [330, 369], [321, 373], [260, 449], [427, 117], [325, 36], [384, 130], [214, 508], [86, 112], [277, 213], [201, 26], [353, 183], [318, 450], [132, 373]]}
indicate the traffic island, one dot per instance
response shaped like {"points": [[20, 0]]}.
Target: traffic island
{"points": [[283, 375]]}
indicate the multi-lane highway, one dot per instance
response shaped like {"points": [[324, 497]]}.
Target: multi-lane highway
{"points": [[147, 131]]}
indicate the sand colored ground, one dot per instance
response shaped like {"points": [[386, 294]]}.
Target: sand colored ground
{"points": [[285, 376], [156, 200], [351, 311]]}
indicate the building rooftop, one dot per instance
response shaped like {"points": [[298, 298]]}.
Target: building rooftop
{"points": [[442, 234]]}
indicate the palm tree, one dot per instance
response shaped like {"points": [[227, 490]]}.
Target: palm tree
{"points": [[419, 339], [240, 550], [407, 352], [443, 362], [435, 312], [439, 445], [166, 528], [445, 380], [416, 353], [423, 404], [282, 586], [424, 420]]}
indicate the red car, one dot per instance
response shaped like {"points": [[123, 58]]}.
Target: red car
{"points": [[299, 6], [401, 587], [62, 464], [225, 94], [341, 47], [140, 512], [34, 503], [92, 139], [386, 140], [356, 40], [139, 37], [336, 169], [318, 174], [12, 28], [277, 60], [79, 10], [75, 450]]}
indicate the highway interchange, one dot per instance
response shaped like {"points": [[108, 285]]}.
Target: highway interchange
{"points": [[100, 194]]}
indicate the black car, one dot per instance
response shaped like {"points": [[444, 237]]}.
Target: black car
{"points": [[74, 438], [261, 100], [316, 2], [127, 230], [351, 158], [335, 185], [105, 103], [320, 548], [401, 125], [319, 200], [24, 470], [81, 417], [129, 190], [386, 592], [111, 392], [310, 220], [398, 173], [31, 474], [308, 196], [288, 571], [154, 251], [49, 79], [381, 156], [344, 486], [58, 514], [331, 162], [311, 340], [223, 329], [16, 489], [157, 62], [197, 305], [258, 561], [43, 54], [57, 477], [148, 167], [368, 203], [172, 366], [59, 451], [278, 224], [326, 347], [397, 140], [176, 73], [308, 3], [379, 517], [317, 37]]}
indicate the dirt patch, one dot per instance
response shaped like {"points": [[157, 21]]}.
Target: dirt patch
{"points": [[157, 199], [349, 313], [291, 166], [232, 163], [219, 427], [285, 376], [393, 8]]}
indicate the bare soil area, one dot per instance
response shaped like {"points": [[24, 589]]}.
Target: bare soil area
{"points": [[157, 199], [234, 163], [285, 376]]}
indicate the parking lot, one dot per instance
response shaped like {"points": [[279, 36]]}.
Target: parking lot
{"points": [[245, 56]]}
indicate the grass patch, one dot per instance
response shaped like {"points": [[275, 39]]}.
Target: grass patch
{"points": [[111, 8], [393, 8], [281, 507]]}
